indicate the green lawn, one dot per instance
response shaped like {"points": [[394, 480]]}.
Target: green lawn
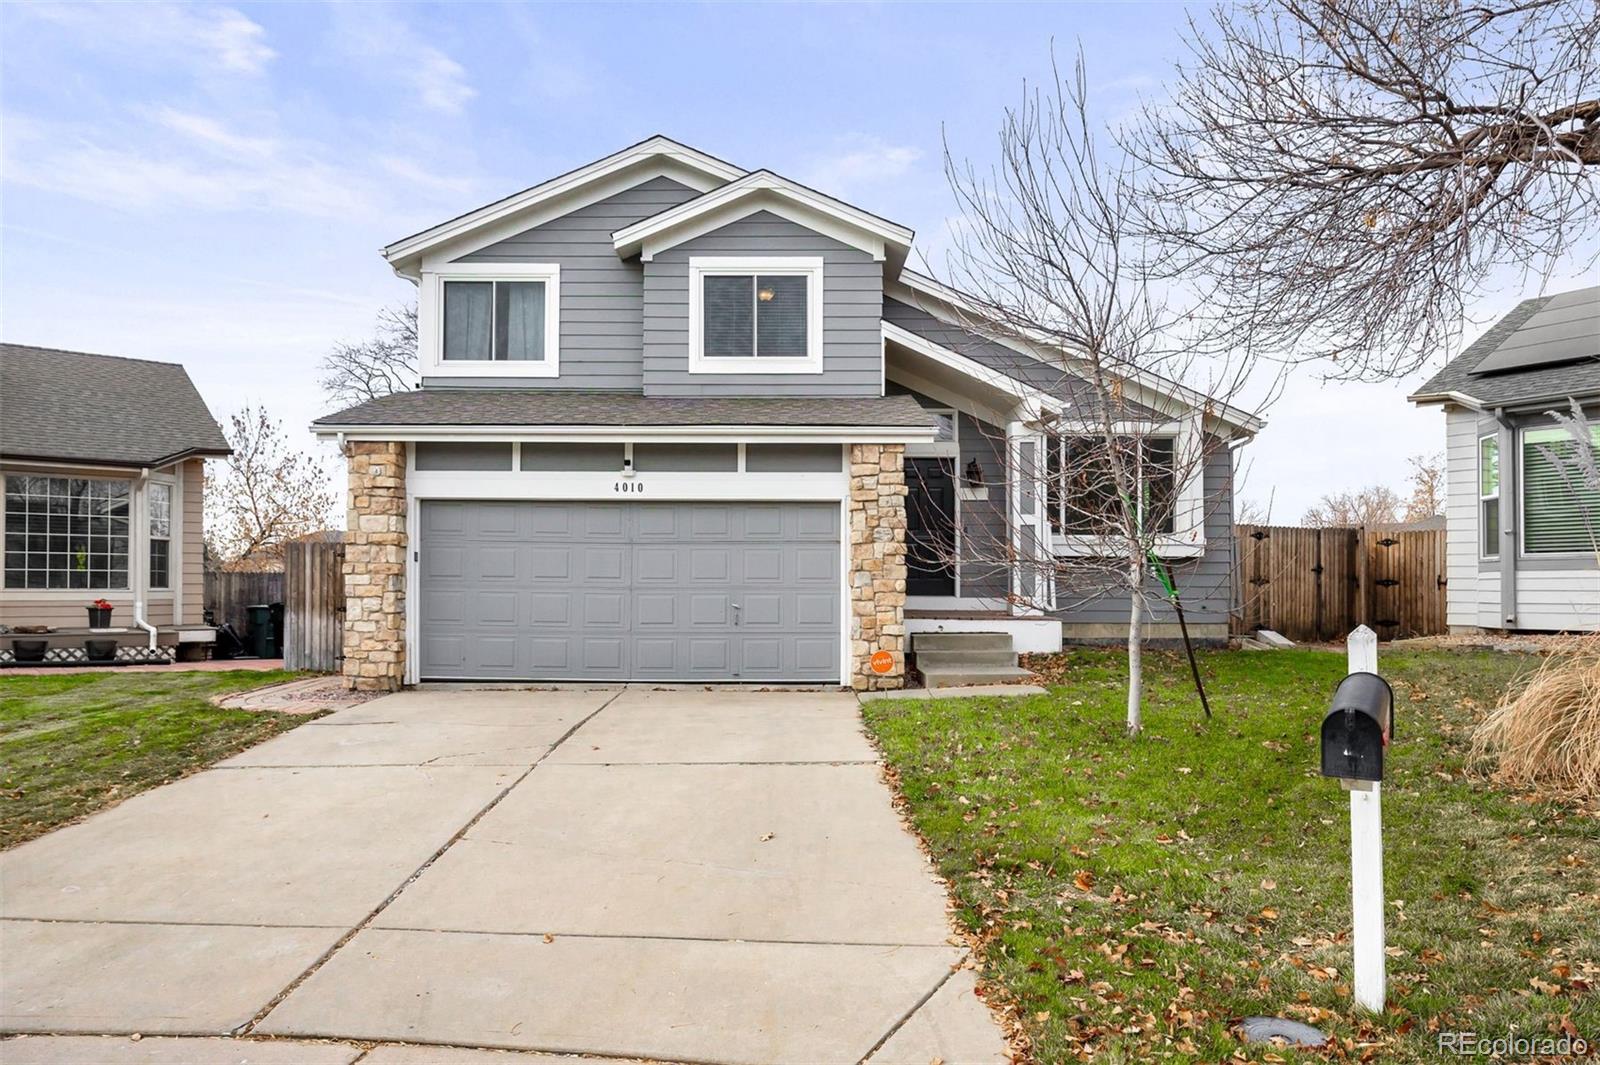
{"points": [[73, 743], [1134, 898]]}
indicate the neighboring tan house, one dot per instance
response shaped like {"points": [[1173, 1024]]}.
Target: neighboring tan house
{"points": [[102, 464], [1522, 547], [670, 413]]}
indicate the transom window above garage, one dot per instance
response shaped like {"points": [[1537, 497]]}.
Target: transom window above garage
{"points": [[755, 315]]}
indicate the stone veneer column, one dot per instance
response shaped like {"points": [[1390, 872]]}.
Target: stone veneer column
{"points": [[375, 544], [877, 563]]}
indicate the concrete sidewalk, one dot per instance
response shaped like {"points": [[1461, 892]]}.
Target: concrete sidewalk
{"points": [[638, 873]]}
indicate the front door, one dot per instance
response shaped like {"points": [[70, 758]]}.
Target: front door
{"points": [[930, 526]]}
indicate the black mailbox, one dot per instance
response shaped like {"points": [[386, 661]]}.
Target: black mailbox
{"points": [[1357, 728]]}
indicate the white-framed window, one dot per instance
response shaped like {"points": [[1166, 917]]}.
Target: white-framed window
{"points": [[1560, 512], [755, 315], [1082, 492], [491, 320], [1489, 496], [160, 534], [66, 532]]}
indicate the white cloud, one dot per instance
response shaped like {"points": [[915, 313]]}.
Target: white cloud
{"points": [[219, 38], [858, 162], [392, 50]]}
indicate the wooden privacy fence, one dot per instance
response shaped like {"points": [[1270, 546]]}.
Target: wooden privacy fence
{"points": [[313, 600], [1318, 584], [228, 592]]}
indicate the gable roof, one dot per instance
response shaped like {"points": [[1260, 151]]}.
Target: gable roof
{"points": [[692, 166], [915, 292], [765, 190], [71, 406], [1546, 350]]}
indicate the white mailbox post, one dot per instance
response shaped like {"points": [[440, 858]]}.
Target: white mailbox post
{"points": [[1366, 856]]}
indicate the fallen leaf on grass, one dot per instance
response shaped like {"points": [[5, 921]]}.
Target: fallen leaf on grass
{"points": [[1083, 880]]}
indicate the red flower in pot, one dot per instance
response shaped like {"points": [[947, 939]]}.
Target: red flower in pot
{"points": [[100, 614]]}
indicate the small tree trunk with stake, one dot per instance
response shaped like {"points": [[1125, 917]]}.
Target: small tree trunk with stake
{"points": [[1135, 649]]}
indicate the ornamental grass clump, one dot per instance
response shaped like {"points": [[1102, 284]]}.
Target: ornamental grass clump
{"points": [[1547, 734]]}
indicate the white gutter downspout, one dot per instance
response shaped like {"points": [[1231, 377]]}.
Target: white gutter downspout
{"points": [[139, 563]]}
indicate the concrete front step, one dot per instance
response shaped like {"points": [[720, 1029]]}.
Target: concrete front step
{"points": [[960, 641], [962, 676], [942, 659]]}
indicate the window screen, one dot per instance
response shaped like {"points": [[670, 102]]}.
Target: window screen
{"points": [[755, 315], [1560, 512], [496, 321]]}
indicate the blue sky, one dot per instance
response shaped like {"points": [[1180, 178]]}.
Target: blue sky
{"points": [[210, 184]]}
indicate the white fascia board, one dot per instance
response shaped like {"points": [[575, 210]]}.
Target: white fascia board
{"points": [[795, 434], [1147, 388], [698, 170], [1460, 399], [987, 375], [653, 233]]}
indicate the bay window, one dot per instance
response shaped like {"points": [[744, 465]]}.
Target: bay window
{"points": [[1560, 512], [1489, 496], [755, 315], [1082, 488], [66, 532]]}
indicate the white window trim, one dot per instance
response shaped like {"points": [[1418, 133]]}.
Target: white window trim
{"points": [[172, 539], [1520, 438], [430, 320], [808, 267], [138, 539], [1188, 536], [1499, 477]]}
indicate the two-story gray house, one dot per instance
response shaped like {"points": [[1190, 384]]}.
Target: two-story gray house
{"points": [[675, 420]]}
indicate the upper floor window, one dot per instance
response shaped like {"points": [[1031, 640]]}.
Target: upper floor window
{"points": [[66, 532], [491, 320], [755, 315], [1559, 507]]}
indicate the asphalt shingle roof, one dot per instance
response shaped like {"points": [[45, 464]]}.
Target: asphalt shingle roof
{"points": [[531, 407], [71, 406], [1519, 386]]}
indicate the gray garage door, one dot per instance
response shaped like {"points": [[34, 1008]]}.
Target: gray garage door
{"points": [[629, 591]]}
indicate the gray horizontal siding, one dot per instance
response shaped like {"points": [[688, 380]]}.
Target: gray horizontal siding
{"points": [[602, 317], [852, 303]]}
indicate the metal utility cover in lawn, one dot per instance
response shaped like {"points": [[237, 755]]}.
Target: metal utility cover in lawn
{"points": [[522, 590]]}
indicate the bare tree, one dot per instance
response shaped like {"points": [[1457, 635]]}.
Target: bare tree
{"points": [[1428, 490], [356, 372], [1349, 174], [265, 493], [1376, 504], [1051, 264], [1253, 512]]}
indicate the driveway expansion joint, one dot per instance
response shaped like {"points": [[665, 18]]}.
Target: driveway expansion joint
{"points": [[365, 922]]}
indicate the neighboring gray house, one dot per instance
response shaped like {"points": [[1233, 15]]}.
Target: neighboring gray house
{"points": [[102, 475], [1522, 533], [683, 421]]}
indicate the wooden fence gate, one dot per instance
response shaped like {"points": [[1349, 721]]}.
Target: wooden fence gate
{"points": [[1318, 584], [313, 602]]}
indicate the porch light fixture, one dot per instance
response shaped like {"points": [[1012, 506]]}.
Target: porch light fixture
{"points": [[974, 476]]}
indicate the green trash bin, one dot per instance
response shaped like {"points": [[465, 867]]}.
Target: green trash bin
{"points": [[261, 640]]}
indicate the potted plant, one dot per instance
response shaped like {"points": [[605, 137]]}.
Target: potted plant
{"points": [[100, 614]]}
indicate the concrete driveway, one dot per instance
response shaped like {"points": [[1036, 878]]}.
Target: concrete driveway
{"points": [[679, 875]]}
